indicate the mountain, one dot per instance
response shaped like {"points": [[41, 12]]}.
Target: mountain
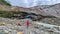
{"points": [[3, 2], [49, 10], [53, 10], [46, 11]]}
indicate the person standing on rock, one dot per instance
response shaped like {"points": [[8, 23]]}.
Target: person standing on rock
{"points": [[27, 23]]}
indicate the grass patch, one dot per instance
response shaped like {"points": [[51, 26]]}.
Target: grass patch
{"points": [[6, 14]]}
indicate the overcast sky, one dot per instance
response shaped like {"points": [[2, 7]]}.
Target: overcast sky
{"points": [[30, 3]]}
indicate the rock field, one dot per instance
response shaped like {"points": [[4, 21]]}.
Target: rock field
{"points": [[10, 26]]}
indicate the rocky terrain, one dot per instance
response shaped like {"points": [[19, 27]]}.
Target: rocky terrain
{"points": [[43, 19], [10, 26]]}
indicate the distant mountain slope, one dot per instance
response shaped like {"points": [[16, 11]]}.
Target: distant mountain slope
{"points": [[48, 10], [3, 2], [53, 10]]}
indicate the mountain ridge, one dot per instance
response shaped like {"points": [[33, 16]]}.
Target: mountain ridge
{"points": [[47, 11]]}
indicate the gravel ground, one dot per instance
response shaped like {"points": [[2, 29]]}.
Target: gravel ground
{"points": [[53, 21], [10, 26]]}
